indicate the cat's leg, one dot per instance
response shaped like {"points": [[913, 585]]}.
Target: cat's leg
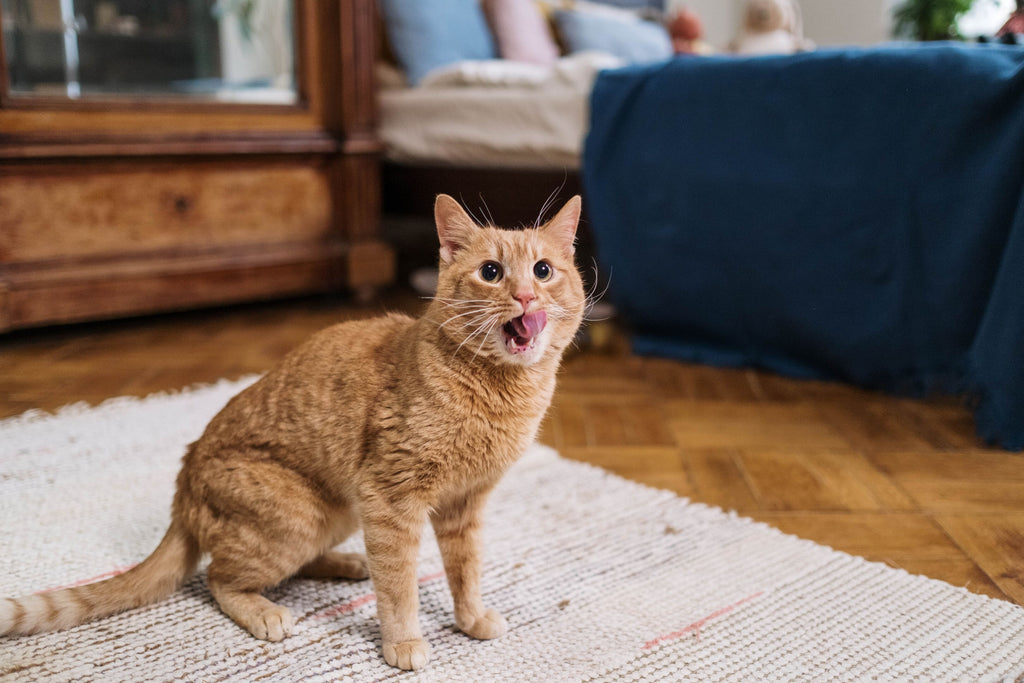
{"points": [[263, 523], [392, 545], [259, 616], [336, 565], [457, 526], [333, 564]]}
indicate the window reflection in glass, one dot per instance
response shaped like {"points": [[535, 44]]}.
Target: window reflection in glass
{"points": [[224, 50]]}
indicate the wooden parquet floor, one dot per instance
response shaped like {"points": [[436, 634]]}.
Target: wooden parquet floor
{"points": [[895, 480]]}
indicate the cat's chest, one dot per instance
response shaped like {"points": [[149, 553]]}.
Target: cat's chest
{"points": [[478, 451], [477, 429], [452, 438]]}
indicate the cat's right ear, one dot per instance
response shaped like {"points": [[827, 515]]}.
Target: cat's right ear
{"points": [[454, 226]]}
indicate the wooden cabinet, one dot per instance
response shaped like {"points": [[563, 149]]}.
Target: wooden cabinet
{"points": [[113, 206]]}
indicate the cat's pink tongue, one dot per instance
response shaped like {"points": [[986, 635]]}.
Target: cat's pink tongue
{"points": [[530, 324]]}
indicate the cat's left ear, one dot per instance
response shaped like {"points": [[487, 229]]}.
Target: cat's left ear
{"points": [[562, 228], [454, 226]]}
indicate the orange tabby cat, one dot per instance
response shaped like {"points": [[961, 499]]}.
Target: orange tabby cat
{"points": [[379, 424]]}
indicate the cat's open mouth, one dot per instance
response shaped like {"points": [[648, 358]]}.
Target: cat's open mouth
{"points": [[520, 333]]}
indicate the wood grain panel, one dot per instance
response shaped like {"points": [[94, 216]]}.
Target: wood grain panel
{"points": [[969, 495], [84, 211], [88, 292], [569, 426], [973, 480], [369, 264], [872, 425], [357, 203], [26, 118], [973, 463], [597, 377], [723, 424], [820, 480], [660, 467], [63, 145], [719, 479], [997, 545], [879, 536]]}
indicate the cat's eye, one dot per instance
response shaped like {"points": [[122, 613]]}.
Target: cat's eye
{"points": [[542, 271], [490, 271]]}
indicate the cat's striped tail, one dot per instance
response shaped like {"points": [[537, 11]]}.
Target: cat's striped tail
{"points": [[151, 580]]}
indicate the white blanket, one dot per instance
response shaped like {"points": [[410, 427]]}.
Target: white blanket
{"points": [[494, 113], [575, 71]]}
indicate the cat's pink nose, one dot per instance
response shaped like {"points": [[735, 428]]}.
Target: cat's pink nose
{"points": [[525, 298]]}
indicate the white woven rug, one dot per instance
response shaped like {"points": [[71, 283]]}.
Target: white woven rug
{"points": [[600, 579]]}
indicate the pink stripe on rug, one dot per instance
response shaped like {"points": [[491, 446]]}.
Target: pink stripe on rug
{"points": [[699, 624], [353, 605]]}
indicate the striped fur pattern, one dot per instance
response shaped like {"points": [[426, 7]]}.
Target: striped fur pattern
{"points": [[382, 424]]}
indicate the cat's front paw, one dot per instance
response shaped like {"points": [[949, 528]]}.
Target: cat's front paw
{"points": [[411, 655], [485, 626], [274, 624]]}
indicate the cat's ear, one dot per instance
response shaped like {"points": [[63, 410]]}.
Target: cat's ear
{"points": [[562, 228], [454, 226]]}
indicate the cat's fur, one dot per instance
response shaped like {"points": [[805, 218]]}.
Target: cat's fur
{"points": [[380, 424]]}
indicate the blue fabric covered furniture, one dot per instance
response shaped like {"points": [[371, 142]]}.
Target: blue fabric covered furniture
{"points": [[853, 215]]}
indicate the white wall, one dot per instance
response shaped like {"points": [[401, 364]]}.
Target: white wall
{"points": [[826, 22], [720, 18], [985, 18], [847, 22]]}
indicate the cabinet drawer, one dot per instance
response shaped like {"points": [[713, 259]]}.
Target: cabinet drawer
{"points": [[90, 210]]}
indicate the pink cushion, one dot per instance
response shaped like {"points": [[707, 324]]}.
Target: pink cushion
{"points": [[521, 31]]}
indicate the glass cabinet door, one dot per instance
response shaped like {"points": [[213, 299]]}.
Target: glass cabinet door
{"points": [[167, 154], [215, 50]]}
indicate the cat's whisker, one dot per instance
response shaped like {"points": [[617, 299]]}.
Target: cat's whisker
{"points": [[561, 312], [484, 311], [476, 325], [457, 304], [480, 314], [456, 300], [483, 305], [471, 324], [472, 215], [486, 210], [488, 324], [549, 202], [464, 304], [593, 297], [486, 334], [556, 311], [534, 241], [465, 310], [477, 308]]}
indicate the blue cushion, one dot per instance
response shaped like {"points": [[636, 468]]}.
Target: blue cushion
{"points": [[427, 34], [635, 42]]}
